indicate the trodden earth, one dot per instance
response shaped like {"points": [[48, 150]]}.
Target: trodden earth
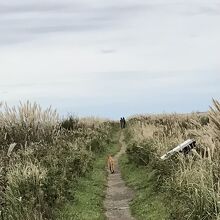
{"points": [[118, 195]]}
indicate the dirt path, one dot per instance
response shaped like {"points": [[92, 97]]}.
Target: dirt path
{"points": [[118, 195]]}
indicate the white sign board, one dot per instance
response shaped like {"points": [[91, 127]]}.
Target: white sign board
{"points": [[177, 149]]}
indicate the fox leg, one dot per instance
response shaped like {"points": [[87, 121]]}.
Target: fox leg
{"points": [[112, 168]]}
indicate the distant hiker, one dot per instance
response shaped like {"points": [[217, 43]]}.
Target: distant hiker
{"points": [[124, 122], [121, 123]]}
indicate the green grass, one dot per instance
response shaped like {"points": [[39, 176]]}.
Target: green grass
{"points": [[148, 203], [90, 191]]}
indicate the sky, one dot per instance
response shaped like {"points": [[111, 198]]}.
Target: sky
{"points": [[111, 58]]}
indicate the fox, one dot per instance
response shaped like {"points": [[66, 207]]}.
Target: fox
{"points": [[111, 165]]}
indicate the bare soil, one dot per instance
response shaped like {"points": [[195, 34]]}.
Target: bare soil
{"points": [[118, 195]]}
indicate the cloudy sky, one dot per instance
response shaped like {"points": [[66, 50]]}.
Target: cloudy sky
{"points": [[111, 58]]}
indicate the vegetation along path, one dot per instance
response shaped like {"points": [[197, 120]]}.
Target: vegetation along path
{"points": [[118, 195]]}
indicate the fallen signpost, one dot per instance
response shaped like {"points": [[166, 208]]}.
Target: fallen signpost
{"points": [[184, 148]]}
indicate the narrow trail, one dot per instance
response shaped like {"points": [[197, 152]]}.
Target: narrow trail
{"points": [[118, 195]]}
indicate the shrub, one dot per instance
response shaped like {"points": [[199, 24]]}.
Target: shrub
{"points": [[70, 123], [141, 154]]}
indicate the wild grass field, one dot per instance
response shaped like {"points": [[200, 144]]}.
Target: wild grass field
{"points": [[183, 186], [55, 168], [46, 162]]}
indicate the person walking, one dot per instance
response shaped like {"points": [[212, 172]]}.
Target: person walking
{"points": [[121, 123], [124, 122]]}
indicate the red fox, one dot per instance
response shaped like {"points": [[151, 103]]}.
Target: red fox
{"points": [[111, 164]]}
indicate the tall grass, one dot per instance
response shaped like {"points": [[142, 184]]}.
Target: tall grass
{"points": [[41, 156], [192, 182]]}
